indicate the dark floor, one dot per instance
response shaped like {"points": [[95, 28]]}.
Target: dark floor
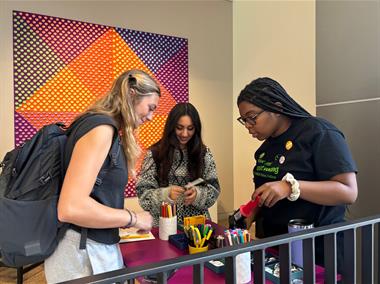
{"points": [[34, 276]]}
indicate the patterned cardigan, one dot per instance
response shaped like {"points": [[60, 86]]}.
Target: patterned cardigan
{"points": [[151, 196]]}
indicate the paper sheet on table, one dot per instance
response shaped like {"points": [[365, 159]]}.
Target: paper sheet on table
{"points": [[131, 235]]}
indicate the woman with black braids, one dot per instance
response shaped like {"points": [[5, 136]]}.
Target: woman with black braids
{"points": [[304, 168], [177, 159]]}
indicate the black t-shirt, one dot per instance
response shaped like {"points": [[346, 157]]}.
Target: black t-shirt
{"points": [[312, 149]]}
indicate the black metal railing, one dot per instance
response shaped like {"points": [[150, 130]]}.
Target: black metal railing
{"points": [[367, 229]]}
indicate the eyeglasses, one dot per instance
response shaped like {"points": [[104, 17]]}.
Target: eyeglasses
{"points": [[251, 119]]}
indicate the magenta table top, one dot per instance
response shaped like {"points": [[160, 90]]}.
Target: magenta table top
{"points": [[150, 251]]}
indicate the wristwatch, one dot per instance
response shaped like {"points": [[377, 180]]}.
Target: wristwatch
{"points": [[294, 184]]}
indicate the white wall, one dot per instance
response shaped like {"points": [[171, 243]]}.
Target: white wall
{"points": [[273, 39], [207, 26]]}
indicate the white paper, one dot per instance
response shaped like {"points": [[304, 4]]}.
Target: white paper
{"points": [[131, 235]]}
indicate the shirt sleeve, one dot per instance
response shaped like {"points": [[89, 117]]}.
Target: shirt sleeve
{"points": [[208, 194], [332, 155], [149, 194]]}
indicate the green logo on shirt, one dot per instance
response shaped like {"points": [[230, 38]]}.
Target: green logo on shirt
{"points": [[266, 169]]}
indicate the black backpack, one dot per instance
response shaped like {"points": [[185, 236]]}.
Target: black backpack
{"points": [[30, 184]]}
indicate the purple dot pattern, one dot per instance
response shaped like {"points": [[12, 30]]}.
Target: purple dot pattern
{"points": [[174, 75], [166, 56]]}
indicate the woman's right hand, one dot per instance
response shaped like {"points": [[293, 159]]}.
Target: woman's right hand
{"points": [[144, 221], [175, 191]]}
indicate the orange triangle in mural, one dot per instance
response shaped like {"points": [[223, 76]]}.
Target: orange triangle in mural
{"points": [[94, 66], [39, 118], [166, 103], [151, 132], [125, 58], [63, 93]]}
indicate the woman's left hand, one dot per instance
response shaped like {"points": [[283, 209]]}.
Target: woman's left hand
{"points": [[271, 192], [190, 195]]}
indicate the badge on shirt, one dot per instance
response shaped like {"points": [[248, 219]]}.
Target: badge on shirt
{"points": [[288, 145], [281, 160]]}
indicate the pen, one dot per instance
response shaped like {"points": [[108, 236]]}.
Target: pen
{"points": [[127, 237], [194, 183]]}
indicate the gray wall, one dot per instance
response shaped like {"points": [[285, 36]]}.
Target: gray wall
{"points": [[348, 87]]}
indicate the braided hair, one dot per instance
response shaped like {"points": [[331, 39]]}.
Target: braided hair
{"points": [[267, 93]]}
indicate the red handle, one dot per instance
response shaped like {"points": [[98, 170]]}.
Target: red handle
{"points": [[246, 210]]}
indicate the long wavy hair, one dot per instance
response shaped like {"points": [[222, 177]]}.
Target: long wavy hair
{"points": [[163, 150], [120, 105]]}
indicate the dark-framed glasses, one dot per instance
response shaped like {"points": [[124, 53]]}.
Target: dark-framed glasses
{"points": [[251, 119]]}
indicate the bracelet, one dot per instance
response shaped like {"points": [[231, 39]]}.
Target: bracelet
{"points": [[130, 219], [294, 185], [134, 213]]}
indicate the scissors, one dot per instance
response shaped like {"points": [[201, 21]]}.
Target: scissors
{"points": [[206, 238], [196, 236]]}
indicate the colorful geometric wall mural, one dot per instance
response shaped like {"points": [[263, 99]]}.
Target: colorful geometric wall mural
{"points": [[62, 66]]}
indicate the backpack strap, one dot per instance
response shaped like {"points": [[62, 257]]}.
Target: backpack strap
{"points": [[83, 238]]}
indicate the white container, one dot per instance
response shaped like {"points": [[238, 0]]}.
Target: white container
{"points": [[167, 227], [243, 268]]}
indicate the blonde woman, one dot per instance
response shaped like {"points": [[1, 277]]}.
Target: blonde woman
{"points": [[103, 149]]}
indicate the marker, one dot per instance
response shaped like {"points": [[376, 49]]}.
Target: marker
{"points": [[128, 237]]}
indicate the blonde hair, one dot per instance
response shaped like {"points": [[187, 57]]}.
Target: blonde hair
{"points": [[120, 105]]}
